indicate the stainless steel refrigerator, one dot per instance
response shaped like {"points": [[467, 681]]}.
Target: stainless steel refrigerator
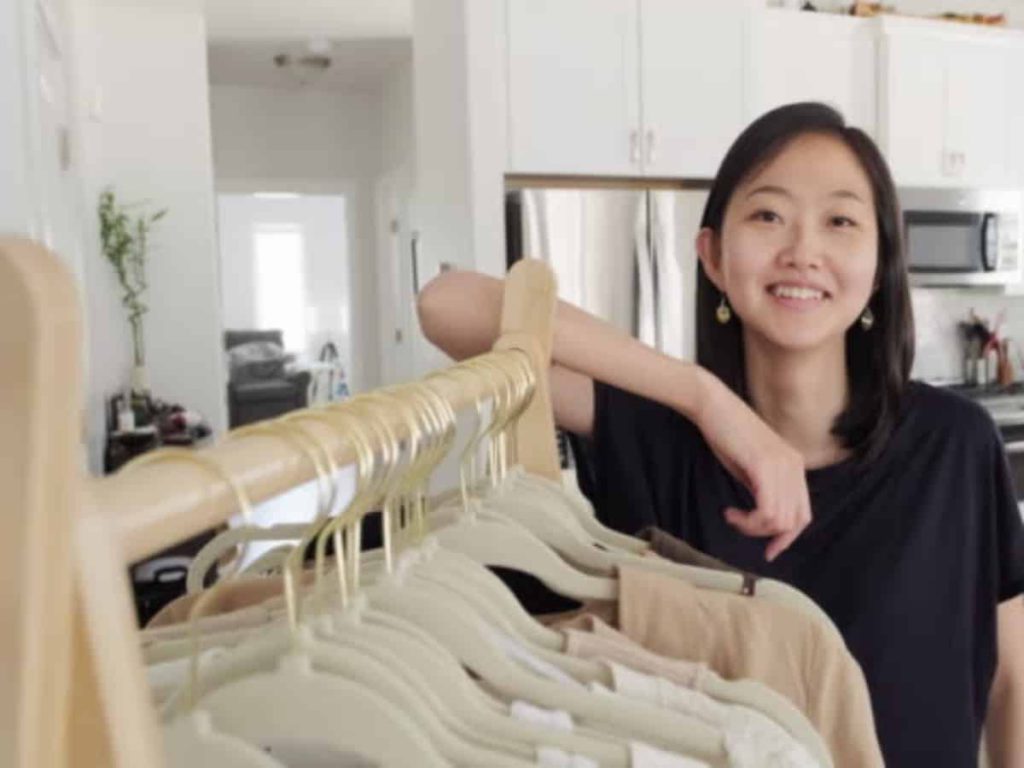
{"points": [[626, 255]]}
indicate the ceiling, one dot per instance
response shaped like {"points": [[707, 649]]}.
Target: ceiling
{"points": [[301, 19], [354, 63]]}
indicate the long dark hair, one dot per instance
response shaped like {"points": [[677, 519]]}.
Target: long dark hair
{"points": [[878, 361]]}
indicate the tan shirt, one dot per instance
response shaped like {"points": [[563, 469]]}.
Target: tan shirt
{"points": [[743, 637]]}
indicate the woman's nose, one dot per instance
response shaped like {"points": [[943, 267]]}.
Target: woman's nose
{"points": [[803, 251]]}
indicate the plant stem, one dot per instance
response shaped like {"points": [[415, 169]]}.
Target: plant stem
{"points": [[137, 341]]}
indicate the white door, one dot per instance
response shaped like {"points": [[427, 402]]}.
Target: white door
{"points": [[692, 70], [40, 194], [913, 108], [572, 79], [842, 50], [55, 170]]}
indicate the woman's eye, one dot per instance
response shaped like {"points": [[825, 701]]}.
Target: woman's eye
{"points": [[843, 221], [765, 215]]}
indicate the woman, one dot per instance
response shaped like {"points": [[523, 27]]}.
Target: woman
{"points": [[886, 500]]}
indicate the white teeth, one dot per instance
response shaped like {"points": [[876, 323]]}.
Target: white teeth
{"points": [[793, 292]]}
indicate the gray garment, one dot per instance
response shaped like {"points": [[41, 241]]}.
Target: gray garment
{"points": [[678, 551]]}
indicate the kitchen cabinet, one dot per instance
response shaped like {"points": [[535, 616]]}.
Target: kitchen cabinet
{"points": [[692, 58], [946, 104], [574, 107], [1015, 118], [624, 87], [813, 57]]}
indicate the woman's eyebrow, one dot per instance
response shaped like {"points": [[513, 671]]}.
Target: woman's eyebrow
{"points": [[773, 189], [770, 189], [847, 195]]}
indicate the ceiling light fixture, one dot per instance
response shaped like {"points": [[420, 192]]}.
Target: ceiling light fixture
{"points": [[305, 69]]}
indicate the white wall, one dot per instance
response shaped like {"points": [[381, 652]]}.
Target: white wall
{"points": [[266, 133], [323, 222], [398, 143], [152, 144], [460, 94], [322, 142], [16, 207], [393, 197]]}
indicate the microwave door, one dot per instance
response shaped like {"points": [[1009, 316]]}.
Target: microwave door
{"points": [[944, 242]]}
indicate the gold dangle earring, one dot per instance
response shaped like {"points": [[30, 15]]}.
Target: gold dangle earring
{"points": [[723, 313], [867, 319]]}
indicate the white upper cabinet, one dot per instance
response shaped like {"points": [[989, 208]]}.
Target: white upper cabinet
{"points": [[977, 79], [946, 105], [574, 107], [660, 88], [624, 87], [813, 57], [912, 108], [1015, 119], [691, 83]]}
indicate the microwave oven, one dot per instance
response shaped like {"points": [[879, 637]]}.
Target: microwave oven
{"points": [[962, 237]]}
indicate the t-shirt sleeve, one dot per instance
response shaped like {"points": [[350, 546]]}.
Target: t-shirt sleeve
{"points": [[1006, 528], [635, 462]]}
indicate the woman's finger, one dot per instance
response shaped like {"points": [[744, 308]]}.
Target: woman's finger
{"points": [[756, 523]]}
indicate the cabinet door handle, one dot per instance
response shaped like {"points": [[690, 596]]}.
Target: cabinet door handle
{"points": [[634, 146], [650, 146], [953, 163]]}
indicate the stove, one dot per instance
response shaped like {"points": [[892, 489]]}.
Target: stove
{"points": [[1006, 404]]}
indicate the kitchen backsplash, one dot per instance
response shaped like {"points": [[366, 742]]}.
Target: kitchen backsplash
{"points": [[937, 311]]}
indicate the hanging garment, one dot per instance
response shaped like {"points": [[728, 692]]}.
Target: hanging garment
{"points": [[751, 739], [586, 636], [739, 637]]}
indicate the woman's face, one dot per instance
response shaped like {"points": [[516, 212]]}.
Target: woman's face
{"points": [[798, 250]]}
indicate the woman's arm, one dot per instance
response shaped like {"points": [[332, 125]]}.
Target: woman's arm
{"points": [[460, 313], [1005, 722]]}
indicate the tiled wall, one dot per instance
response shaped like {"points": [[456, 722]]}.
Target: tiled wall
{"points": [[936, 314]]}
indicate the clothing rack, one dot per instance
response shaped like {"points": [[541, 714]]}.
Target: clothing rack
{"points": [[73, 689]]}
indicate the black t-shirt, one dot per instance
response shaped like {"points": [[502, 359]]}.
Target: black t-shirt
{"points": [[909, 555]]}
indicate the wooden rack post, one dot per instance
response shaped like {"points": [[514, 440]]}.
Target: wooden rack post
{"points": [[73, 691], [40, 472]]}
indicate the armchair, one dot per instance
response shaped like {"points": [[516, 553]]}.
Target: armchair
{"points": [[262, 390]]}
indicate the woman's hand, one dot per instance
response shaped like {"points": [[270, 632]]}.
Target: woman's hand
{"points": [[770, 468]]}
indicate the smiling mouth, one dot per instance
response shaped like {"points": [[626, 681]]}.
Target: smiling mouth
{"points": [[795, 293]]}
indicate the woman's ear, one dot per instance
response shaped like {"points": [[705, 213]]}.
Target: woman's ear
{"points": [[710, 255]]}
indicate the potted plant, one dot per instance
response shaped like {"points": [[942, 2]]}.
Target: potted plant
{"points": [[125, 242]]}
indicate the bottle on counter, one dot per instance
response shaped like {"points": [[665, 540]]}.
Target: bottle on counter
{"points": [[992, 363], [1005, 375]]}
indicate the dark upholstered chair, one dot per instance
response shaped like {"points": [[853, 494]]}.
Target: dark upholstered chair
{"points": [[256, 399]]}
